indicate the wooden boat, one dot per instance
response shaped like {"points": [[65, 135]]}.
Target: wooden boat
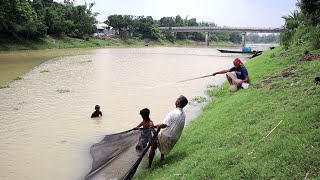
{"points": [[232, 51]]}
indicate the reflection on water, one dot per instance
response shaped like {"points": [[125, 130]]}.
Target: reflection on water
{"points": [[46, 130], [97, 121]]}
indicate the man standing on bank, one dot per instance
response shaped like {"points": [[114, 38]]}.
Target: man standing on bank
{"points": [[241, 75], [172, 127]]}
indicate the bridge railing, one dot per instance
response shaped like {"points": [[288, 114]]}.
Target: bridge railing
{"points": [[219, 29]]}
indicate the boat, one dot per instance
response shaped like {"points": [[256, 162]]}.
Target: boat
{"points": [[233, 51], [254, 53]]}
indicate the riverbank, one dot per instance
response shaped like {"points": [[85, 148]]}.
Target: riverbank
{"points": [[270, 130], [50, 42]]}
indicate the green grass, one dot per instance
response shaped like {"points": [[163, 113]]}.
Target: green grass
{"points": [[4, 86], [18, 78], [229, 139], [199, 99]]}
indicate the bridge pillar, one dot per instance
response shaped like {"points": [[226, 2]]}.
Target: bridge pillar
{"points": [[244, 34], [207, 38]]}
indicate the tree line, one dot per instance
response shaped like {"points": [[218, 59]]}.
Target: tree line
{"points": [[302, 26], [255, 38], [147, 27], [36, 18], [32, 19]]}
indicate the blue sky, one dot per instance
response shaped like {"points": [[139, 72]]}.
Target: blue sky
{"points": [[239, 13]]}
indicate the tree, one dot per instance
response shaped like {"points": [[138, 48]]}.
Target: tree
{"points": [[167, 22], [253, 37], [83, 20], [222, 36], [117, 22], [311, 9], [147, 27], [18, 16], [179, 21], [235, 37], [191, 22]]}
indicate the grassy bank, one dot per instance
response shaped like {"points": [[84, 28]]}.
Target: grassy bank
{"points": [[49, 42], [269, 131]]}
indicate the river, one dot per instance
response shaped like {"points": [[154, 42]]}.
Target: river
{"points": [[45, 127]]}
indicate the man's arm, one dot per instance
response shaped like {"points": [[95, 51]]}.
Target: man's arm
{"points": [[246, 79], [138, 126], [160, 126], [246, 76], [221, 72], [242, 81]]}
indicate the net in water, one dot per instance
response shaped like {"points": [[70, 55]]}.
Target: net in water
{"points": [[118, 155]]}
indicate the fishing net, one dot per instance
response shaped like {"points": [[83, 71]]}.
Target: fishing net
{"points": [[118, 156]]}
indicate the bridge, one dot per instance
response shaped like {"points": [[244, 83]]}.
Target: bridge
{"points": [[208, 29]]}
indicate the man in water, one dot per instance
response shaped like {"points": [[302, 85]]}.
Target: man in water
{"points": [[172, 127], [241, 78], [97, 112]]}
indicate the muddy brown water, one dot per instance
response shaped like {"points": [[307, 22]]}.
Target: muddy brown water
{"points": [[45, 125]]}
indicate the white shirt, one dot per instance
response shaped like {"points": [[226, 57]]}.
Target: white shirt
{"points": [[175, 123]]}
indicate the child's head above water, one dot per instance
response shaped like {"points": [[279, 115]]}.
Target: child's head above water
{"points": [[145, 113]]}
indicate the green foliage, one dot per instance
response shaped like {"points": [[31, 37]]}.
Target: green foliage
{"points": [[255, 38], [178, 21], [169, 36], [33, 19], [235, 38], [170, 22], [18, 16], [37, 18], [311, 10], [314, 38], [147, 27], [18, 78], [119, 23], [4, 86], [199, 99], [304, 35], [226, 36], [139, 26], [302, 27]]}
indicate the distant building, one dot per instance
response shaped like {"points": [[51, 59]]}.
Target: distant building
{"points": [[104, 30]]}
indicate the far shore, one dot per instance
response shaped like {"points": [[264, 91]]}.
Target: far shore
{"points": [[50, 42]]}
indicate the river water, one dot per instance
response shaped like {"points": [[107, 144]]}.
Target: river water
{"points": [[45, 125]]}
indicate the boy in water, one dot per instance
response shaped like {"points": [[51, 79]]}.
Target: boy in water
{"points": [[97, 112], [146, 123]]}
